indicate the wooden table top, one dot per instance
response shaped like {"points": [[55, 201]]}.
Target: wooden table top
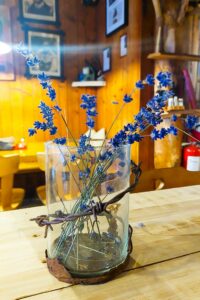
{"points": [[166, 253]]}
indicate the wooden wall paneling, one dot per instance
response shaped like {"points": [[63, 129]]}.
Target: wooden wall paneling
{"points": [[19, 99], [125, 70], [146, 152]]}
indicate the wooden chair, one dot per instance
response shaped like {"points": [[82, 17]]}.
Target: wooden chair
{"points": [[166, 178], [41, 190], [10, 198]]}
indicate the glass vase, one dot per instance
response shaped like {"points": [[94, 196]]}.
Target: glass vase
{"points": [[95, 242]]}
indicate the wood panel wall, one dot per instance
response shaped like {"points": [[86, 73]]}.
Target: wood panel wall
{"points": [[19, 98], [84, 38], [124, 73]]}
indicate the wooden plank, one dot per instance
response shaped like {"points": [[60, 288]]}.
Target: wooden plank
{"points": [[170, 228], [175, 279], [88, 83], [125, 71], [22, 255], [176, 56]]}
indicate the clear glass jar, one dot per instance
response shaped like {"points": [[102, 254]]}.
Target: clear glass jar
{"points": [[92, 244]]}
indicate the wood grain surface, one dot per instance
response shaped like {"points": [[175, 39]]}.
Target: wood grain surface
{"points": [[165, 259]]}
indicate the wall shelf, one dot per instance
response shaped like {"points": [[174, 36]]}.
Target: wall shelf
{"points": [[181, 112], [88, 83], [173, 56]]}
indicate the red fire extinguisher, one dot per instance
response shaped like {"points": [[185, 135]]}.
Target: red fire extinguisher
{"points": [[191, 157]]}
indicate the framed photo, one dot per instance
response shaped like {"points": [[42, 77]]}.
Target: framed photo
{"points": [[123, 45], [46, 45], [116, 15], [39, 11], [106, 59], [6, 60]]}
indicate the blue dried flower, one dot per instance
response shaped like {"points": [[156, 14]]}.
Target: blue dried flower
{"points": [[164, 79], [83, 206], [32, 61], [119, 139], [132, 138], [43, 77], [90, 123], [131, 127], [56, 107], [139, 84], [174, 118], [60, 141], [190, 121], [73, 158], [31, 131], [44, 85], [84, 174], [53, 130], [89, 104], [37, 124], [172, 130], [127, 98], [155, 134], [150, 80], [51, 93], [163, 132]]}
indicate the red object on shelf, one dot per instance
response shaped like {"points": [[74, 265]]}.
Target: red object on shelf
{"points": [[20, 147], [191, 157]]}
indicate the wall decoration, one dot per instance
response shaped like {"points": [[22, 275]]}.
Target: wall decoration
{"points": [[39, 11], [107, 59], [123, 45], [6, 60], [116, 15], [46, 44]]}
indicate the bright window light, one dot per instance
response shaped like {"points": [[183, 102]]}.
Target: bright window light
{"points": [[4, 48]]}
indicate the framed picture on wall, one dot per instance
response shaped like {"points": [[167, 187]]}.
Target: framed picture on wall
{"points": [[123, 45], [116, 15], [106, 59], [6, 59], [39, 11], [46, 45]]}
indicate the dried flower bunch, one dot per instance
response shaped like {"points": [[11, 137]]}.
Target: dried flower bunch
{"points": [[96, 161], [149, 116]]}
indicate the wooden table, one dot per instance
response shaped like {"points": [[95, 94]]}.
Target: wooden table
{"points": [[28, 158], [166, 253]]}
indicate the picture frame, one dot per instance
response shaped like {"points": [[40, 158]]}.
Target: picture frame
{"points": [[46, 11], [123, 45], [47, 46], [7, 70], [106, 65], [116, 15]]}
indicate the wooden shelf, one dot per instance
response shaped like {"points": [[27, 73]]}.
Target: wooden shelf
{"points": [[181, 112], [173, 56], [88, 83]]}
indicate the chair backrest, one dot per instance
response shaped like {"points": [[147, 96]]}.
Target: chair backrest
{"points": [[9, 164], [166, 178], [41, 160], [8, 167]]}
